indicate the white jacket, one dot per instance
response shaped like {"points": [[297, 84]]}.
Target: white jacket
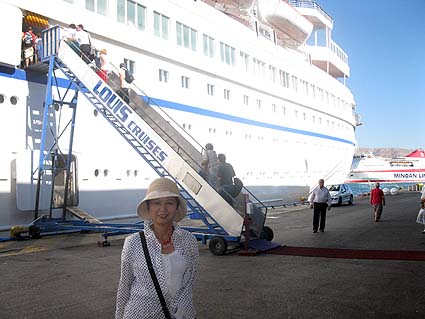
{"points": [[136, 295]]}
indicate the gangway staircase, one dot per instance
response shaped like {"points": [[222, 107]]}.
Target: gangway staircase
{"points": [[160, 144]]}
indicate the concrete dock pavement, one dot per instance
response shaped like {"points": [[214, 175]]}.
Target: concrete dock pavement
{"points": [[69, 276]]}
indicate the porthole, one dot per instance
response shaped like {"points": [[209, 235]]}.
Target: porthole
{"points": [[2, 98], [128, 173], [14, 100], [105, 172], [136, 172], [96, 172], [95, 112], [56, 106]]}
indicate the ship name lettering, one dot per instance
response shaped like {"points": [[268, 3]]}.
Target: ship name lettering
{"points": [[112, 101], [408, 175], [150, 144]]}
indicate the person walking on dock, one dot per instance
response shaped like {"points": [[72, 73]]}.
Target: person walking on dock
{"points": [[377, 200], [173, 254], [320, 200], [421, 215]]}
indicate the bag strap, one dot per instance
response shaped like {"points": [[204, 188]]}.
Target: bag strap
{"points": [[154, 279]]}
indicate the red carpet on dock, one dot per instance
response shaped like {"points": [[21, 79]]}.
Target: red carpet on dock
{"points": [[348, 253]]}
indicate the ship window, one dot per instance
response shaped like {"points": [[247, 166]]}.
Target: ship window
{"points": [[105, 172], [259, 104], [226, 94], [274, 108], [295, 83], [185, 82], [95, 112], [208, 46], [227, 54], [163, 76], [246, 99], [320, 93], [272, 70], [131, 13], [245, 59], [98, 6], [96, 172], [284, 78], [186, 36], [210, 89], [160, 23], [304, 87], [130, 65], [259, 67], [2, 98], [14, 100]]}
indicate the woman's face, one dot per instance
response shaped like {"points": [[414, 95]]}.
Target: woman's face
{"points": [[163, 210]]}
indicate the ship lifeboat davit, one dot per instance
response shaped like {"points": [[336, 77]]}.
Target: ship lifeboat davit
{"points": [[284, 18]]}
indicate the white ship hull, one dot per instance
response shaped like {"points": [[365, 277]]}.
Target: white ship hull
{"points": [[280, 142]]}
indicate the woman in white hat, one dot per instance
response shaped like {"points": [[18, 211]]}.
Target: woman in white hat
{"points": [[174, 254]]}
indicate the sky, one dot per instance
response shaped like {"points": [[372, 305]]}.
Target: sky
{"points": [[385, 43]]}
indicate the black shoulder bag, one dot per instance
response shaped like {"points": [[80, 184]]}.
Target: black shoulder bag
{"points": [[154, 279]]}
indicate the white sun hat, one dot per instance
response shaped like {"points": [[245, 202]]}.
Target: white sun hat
{"points": [[160, 188]]}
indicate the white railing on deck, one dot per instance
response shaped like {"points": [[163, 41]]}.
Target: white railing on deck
{"points": [[338, 51], [311, 5]]}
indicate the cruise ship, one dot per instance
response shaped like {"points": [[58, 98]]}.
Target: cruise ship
{"points": [[263, 81], [368, 168]]}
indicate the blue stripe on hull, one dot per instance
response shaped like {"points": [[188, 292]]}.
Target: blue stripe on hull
{"points": [[232, 118]]}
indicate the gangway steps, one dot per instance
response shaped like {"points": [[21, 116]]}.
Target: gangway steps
{"points": [[80, 214]]}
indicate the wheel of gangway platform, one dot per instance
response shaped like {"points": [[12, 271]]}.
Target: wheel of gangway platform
{"points": [[267, 233], [34, 232], [218, 246]]}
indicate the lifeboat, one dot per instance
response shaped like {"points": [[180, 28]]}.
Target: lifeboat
{"points": [[284, 18]]}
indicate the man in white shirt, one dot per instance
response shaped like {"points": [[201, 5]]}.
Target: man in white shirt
{"points": [[124, 85], [84, 40], [69, 34], [320, 199]]}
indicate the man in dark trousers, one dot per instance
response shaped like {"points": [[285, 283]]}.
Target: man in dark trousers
{"points": [[320, 199], [377, 200]]}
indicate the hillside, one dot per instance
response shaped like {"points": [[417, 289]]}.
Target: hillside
{"points": [[384, 151]]}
